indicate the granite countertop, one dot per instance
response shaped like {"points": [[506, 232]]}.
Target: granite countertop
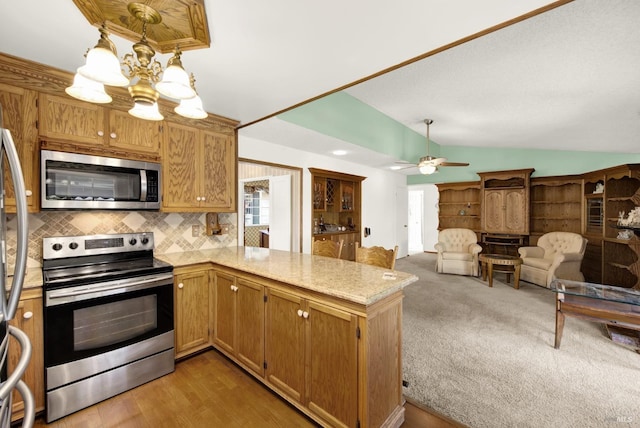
{"points": [[355, 282], [32, 278]]}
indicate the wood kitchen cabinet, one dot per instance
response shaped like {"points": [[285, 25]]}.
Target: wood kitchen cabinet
{"points": [[128, 134], [312, 355], [19, 115], [199, 170], [29, 319], [68, 119], [238, 327], [193, 303], [505, 201], [90, 128], [336, 360]]}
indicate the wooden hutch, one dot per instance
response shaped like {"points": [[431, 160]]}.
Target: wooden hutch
{"points": [[336, 205], [589, 204]]}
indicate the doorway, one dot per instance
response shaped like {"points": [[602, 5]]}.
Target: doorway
{"points": [[423, 218], [269, 205], [416, 235]]}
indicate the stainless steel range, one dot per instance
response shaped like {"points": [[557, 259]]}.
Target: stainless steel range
{"points": [[108, 318]]}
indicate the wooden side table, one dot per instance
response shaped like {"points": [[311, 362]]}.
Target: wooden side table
{"points": [[501, 263]]}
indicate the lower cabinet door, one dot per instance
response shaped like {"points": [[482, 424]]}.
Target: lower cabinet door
{"points": [[224, 330], [28, 318], [332, 364], [192, 311], [312, 356], [250, 325], [284, 343]]}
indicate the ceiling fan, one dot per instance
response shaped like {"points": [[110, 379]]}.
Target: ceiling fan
{"points": [[429, 164]]}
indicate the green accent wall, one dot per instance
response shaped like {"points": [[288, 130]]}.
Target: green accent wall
{"points": [[343, 116]]}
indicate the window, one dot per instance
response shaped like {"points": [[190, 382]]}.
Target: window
{"points": [[256, 207]]}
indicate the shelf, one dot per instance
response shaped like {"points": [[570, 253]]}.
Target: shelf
{"points": [[459, 203], [594, 196], [556, 202], [556, 218]]}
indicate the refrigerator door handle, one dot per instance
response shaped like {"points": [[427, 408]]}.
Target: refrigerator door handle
{"points": [[22, 226]]}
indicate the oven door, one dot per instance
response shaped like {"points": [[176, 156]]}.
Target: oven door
{"points": [[88, 321]]}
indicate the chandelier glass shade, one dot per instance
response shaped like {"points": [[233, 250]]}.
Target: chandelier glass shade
{"points": [[88, 90], [144, 74]]}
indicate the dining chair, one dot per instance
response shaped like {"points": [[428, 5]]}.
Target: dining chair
{"points": [[328, 248], [376, 256]]}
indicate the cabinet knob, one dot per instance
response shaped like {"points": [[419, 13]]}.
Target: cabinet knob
{"points": [[198, 198], [305, 314], [300, 312], [113, 135], [100, 133], [202, 198], [181, 285], [28, 193], [27, 315]]}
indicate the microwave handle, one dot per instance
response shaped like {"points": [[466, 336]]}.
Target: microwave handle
{"points": [[143, 185]]}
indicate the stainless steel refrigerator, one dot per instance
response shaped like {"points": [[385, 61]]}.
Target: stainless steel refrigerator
{"points": [[11, 287]]}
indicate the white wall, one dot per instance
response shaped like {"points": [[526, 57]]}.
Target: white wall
{"points": [[378, 190]]}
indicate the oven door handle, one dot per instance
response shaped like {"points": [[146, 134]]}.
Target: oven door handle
{"points": [[98, 290]]}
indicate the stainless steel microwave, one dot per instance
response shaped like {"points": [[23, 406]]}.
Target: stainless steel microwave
{"points": [[76, 181]]}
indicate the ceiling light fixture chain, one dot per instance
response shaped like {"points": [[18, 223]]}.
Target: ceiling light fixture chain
{"points": [[144, 74]]}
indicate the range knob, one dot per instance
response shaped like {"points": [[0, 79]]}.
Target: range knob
{"points": [[144, 240], [57, 246], [133, 241], [73, 245]]}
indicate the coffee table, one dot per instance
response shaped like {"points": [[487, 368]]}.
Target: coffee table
{"points": [[616, 306], [501, 263]]}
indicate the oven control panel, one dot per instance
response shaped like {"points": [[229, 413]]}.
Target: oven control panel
{"points": [[87, 245]]}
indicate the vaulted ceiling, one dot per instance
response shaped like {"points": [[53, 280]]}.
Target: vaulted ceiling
{"points": [[529, 74]]}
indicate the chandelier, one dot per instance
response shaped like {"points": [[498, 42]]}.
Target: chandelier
{"points": [[144, 74]]}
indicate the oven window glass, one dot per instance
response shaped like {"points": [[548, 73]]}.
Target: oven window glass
{"points": [[74, 181], [106, 324]]}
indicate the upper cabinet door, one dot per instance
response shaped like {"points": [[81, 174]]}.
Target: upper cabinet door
{"points": [[180, 179], [68, 119], [131, 134], [218, 163], [19, 117]]}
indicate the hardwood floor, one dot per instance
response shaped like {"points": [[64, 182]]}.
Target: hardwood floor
{"points": [[208, 390]]}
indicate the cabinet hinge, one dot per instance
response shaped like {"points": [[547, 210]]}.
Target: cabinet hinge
{"points": [[265, 298], [358, 332], [264, 365]]}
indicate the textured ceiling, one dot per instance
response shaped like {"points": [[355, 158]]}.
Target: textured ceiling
{"points": [[566, 78]]}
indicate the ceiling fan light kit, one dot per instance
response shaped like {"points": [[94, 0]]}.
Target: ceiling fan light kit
{"points": [[429, 164], [145, 75]]}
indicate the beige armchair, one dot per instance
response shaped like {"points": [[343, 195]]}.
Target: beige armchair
{"points": [[458, 251], [557, 255]]}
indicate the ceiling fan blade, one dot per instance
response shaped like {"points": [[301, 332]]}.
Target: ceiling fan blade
{"points": [[454, 164]]}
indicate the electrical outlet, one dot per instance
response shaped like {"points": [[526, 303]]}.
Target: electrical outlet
{"points": [[195, 230]]}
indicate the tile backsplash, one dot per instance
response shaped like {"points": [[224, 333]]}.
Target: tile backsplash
{"points": [[173, 232]]}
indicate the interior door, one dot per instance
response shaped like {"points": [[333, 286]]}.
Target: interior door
{"points": [[280, 212], [402, 221]]}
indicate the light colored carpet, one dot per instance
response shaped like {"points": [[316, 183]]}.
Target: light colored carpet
{"points": [[485, 357]]}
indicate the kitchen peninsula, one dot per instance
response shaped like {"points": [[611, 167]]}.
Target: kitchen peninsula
{"points": [[324, 334]]}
